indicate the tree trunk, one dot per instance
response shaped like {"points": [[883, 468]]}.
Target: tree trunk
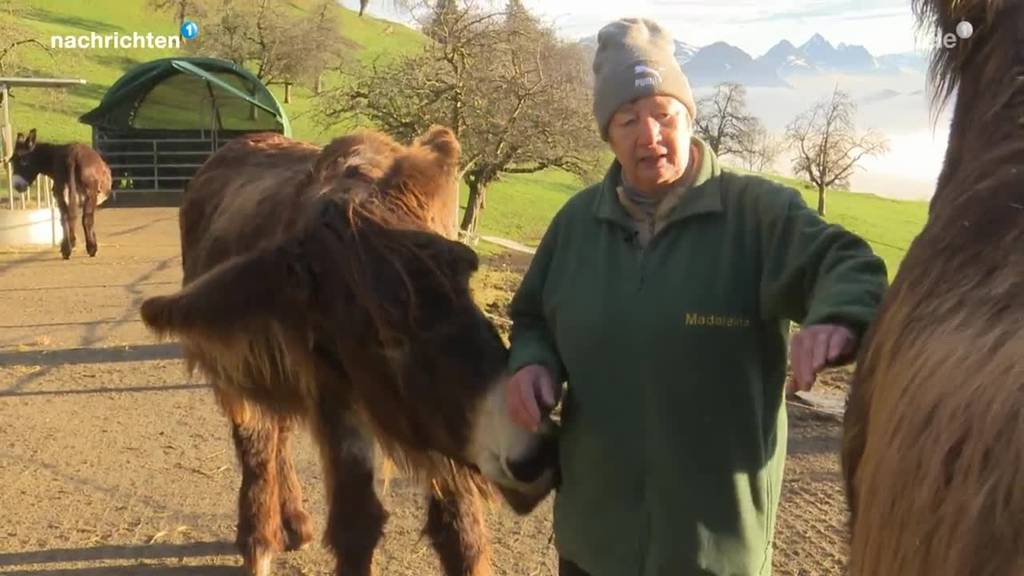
{"points": [[319, 83], [474, 206], [821, 200]]}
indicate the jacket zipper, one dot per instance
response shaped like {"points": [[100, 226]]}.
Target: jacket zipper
{"points": [[643, 252]]}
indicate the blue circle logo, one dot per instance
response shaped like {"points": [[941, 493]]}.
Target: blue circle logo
{"points": [[189, 30]]}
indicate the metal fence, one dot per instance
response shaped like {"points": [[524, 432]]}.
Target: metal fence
{"points": [[146, 161], [37, 196]]}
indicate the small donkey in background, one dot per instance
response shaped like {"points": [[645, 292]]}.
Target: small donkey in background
{"points": [[79, 174]]}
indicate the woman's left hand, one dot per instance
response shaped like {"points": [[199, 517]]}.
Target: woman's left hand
{"points": [[817, 346]]}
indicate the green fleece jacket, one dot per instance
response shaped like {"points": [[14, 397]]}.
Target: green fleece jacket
{"points": [[673, 429]]}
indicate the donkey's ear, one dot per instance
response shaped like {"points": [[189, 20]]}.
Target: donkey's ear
{"points": [[454, 259], [21, 137], [442, 142], [271, 284], [32, 137], [462, 260]]}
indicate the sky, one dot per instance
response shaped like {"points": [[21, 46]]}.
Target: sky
{"points": [[881, 26]]}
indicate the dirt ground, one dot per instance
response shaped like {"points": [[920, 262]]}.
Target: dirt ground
{"points": [[113, 462]]}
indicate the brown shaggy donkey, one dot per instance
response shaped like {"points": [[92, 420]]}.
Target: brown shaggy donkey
{"points": [[317, 289], [79, 176], [933, 451]]}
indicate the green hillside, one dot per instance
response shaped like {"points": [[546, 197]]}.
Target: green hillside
{"points": [[55, 113]]}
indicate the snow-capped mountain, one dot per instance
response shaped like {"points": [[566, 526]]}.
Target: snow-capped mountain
{"points": [[721, 62]]}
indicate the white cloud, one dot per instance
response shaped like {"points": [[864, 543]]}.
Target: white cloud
{"points": [[881, 25]]}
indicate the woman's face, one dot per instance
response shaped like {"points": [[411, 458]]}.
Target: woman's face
{"points": [[650, 137]]}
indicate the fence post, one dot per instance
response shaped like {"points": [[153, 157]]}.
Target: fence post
{"points": [[5, 128], [156, 163]]}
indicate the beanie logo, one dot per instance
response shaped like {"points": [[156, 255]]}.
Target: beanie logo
{"points": [[645, 76]]}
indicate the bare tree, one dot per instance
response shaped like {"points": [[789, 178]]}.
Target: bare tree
{"points": [[279, 44], [401, 4], [325, 47], [827, 145], [758, 149], [15, 36], [723, 121], [182, 9], [516, 96]]}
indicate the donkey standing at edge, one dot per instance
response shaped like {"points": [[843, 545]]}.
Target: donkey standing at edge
{"points": [[317, 289], [79, 175], [933, 447]]}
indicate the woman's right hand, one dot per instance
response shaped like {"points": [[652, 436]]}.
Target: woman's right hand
{"points": [[529, 391]]}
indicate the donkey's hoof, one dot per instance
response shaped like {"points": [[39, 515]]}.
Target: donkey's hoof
{"points": [[258, 552], [65, 250], [91, 249], [259, 565], [298, 530]]}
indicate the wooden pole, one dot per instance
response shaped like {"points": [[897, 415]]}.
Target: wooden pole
{"points": [[5, 135]]}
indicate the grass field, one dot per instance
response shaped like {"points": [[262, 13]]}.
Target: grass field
{"points": [[518, 207], [888, 225]]}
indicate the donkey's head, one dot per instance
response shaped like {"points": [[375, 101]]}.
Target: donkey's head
{"points": [[26, 162]]}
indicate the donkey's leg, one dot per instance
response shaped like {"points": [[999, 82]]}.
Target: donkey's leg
{"points": [[259, 507], [88, 218], [356, 517], [298, 528], [456, 529], [67, 225], [72, 195]]}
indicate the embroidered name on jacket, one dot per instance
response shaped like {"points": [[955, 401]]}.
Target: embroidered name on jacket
{"points": [[716, 320]]}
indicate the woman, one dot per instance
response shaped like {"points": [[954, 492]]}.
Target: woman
{"points": [[662, 296]]}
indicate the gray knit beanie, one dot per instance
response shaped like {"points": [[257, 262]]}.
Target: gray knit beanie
{"points": [[635, 58]]}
